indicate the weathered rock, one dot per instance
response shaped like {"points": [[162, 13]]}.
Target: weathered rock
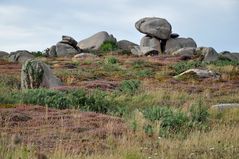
{"points": [[126, 45], [3, 54], [208, 54], [155, 27], [94, 42], [52, 51], [185, 53], [63, 49], [137, 51], [229, 56], [37, 74], [226, 106], [199, 73], [20, 56], [174, 35], [69, 40], [149, 44], [173, 45]]}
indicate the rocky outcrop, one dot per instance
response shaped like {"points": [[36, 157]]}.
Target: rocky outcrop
{"points": [[20, 56], [52, 51], [229, 56], [94, 42], [155, 27], [37, 74], [159, 33], [198, 73], [173, 45], [67, 46], [126, 45]]}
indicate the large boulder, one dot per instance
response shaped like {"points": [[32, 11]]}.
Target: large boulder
{"points": [[229, 56], [126, 45], [63, 49], [155, 27], [173, 45], [94, 42], [198, 73], [69, 40], [37, 74], [52, 51], [147, 44], [20, 56], [208, 54], [3, 54]]}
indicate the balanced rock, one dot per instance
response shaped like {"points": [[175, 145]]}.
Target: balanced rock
{"points": [[3, 54], [94, 42], [155, 27], [37, 74], [126, 45], [229, 56], [67, 46], [149, 44], [20, 56], [199, 73], [208, 54], [173, 45]]}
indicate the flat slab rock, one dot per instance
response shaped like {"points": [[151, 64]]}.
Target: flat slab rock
{"points": [[200, 73], [226, 106]]}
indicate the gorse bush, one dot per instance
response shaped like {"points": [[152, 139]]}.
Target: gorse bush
{"points": [[129, 86], [108, 46], [183, 66]]}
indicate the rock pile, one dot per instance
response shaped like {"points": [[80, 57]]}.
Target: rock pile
{"points": [[20, 56], [159, 37], [67, 46]]}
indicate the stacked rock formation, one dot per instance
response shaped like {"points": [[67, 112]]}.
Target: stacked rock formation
{"points": [[159, 37], [67, 46]]}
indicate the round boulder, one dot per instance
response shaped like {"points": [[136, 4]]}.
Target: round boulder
{"points": [[229, 56], [126, 45], [173, 45], [155, 27], [208, 54]]}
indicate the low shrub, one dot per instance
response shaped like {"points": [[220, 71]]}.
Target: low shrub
{"points": [[108, 46], [111, 60], [129, 86], [145, 73], [184, 66]]}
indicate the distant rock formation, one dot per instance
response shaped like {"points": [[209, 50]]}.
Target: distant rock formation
{"points": [[159, 37], [95, 41], [20, 56]]}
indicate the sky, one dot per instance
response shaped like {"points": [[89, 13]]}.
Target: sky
{"points": [[35, 25]]}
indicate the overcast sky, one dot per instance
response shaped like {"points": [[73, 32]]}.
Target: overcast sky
{"points": [[38, 24]]}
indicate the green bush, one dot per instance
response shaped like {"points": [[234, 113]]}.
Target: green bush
{"points": [[199, 112], [108, 46], [37, 53], [111, 60], [129, 86], [184, 66], [145, 73], [224, 62]]}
